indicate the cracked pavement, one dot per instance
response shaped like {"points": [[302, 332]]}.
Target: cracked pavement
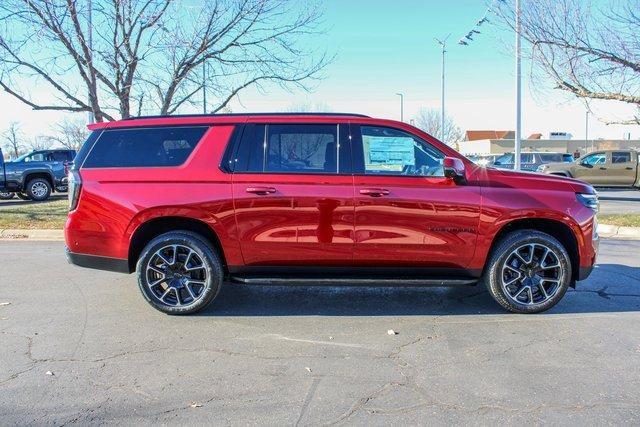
{"points": [[313, 355]]}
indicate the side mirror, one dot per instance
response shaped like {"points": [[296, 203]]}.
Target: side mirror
{"points": [[454, 169]]}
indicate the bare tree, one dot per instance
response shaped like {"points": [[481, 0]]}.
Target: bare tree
{"points": [[14, 139], [69, 134], [40, 142], [591, 51], [429, 120], [148, 55]]}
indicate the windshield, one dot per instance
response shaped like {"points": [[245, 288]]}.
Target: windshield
{"points": [[505, 159], [21, 158]]}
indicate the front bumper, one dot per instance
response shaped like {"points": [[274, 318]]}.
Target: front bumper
{"points": [[98, 262]]}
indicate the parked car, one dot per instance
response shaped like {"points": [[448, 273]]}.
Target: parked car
{"points": [[324, 199], [531, 161], [613, 168], [34, 176]]}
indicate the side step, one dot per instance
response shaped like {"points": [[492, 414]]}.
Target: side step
{"points": [[349, 281]]}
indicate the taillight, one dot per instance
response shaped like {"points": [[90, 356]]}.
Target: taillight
{"points": [[75, 184]]}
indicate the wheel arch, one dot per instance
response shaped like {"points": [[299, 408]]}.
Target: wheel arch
{"points": [[38, 174], [154, 227], [557, 229]]}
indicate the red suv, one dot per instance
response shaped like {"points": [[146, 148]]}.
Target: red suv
{"points": [[188, 202]]}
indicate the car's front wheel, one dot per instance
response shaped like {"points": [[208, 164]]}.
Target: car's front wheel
{"points": [[38, 189], [179, 273], [528, 272], [5, 195]]}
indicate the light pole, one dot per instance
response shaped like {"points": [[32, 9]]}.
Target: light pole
{"points": [[518, 135], [586, 130], [401, 95], [90, 117], [443, 44]]}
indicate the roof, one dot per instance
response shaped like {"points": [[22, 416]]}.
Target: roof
{"points": [[217, 118], [535, 136], [475, 135]]}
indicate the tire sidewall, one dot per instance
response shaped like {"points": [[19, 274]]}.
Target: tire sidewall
{"points": [[502, 252], [30, 193], [7, 196], [210, 259]]}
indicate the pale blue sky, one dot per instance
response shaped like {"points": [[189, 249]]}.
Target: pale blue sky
{"points": [[383, 47]]}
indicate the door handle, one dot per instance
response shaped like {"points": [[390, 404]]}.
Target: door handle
{"points": [[374, 192], [629, 168], [261, 190], [603, 169]]}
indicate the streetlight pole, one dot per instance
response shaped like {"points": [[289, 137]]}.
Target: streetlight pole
{"points": [[443, 44], [586, 131], [90, 117], [518, 135], [401, 95]]}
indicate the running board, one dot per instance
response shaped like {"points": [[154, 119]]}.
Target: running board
{"points": [[349, 281]]}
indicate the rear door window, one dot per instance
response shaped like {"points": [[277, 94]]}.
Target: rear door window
{"points": [[144, 147], [293, 148], [621, 157]]}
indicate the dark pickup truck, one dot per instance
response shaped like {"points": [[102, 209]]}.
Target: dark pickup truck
{"points": [[34, 176]]}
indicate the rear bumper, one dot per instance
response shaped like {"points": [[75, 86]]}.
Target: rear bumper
{"points": [[98, 262]]}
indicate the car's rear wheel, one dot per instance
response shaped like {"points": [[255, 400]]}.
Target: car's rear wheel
{"points": [[38, 189], [5, 195], [23, 196], [528, 272], [179, 273]]}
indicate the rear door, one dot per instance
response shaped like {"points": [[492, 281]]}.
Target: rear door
{"points": [[407, 212], [622, 170], [293, 194]]}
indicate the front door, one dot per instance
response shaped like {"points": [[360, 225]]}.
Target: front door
{"points": [[407, 212], [622, 170], [592, 168], [293, 195]]}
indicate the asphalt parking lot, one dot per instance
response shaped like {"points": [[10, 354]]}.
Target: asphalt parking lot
{"points": [[619, 200], [82, 346]]}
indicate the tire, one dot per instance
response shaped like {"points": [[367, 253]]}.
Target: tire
{"points": [[184, 284], [6, 195], [517, 287], [23, 196], [39, 189]]}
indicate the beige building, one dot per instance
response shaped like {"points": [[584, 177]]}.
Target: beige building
{"points": [[500, 142]]}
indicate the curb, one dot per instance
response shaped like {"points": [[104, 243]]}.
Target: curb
{"points": [[604, 230], [40, 235]]}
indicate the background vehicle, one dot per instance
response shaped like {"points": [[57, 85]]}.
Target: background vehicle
{"points": [[614, 168], [531, 161], [190, 201], [37, 174]]}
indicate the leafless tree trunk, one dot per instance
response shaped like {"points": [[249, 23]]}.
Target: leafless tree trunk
{"points": [[589, 50], [429, 121], [69, 134], [146, 53], [14, 139]]}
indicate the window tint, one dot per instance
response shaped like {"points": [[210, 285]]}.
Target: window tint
{"points": [[301, 148], [393, 152], [527, 159], [293, 148], [621, 157], [144, 147], [58, 156], [595, 159]]}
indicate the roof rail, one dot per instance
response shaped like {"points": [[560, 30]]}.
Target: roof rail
{"points": [[247, 114]]}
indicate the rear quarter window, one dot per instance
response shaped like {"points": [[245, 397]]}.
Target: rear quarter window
{"points": [[144, 147]]}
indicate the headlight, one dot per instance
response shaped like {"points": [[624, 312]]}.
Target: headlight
{"points": [[541, 168], [589, 200]]}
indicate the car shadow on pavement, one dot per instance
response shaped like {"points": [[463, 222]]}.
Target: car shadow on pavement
{"points": [[611, 288], [20, 202]]}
